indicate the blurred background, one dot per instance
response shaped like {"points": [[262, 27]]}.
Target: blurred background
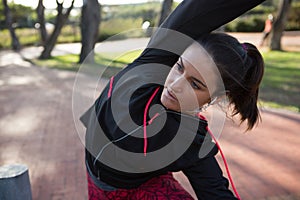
{"points": [[43, 44]]}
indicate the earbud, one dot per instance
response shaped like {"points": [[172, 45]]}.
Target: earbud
{"points": [[203, 108]]}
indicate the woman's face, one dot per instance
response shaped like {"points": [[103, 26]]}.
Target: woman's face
{"points": [[190, 81]]}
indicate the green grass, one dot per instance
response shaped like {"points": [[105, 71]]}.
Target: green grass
{"points": [[65, 62], [116, 59], [110, 63], [281, 83], [5, 41], [280, 86], [30, 36]]}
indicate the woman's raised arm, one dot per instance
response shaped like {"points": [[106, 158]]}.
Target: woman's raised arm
{"points": [[192, 18]]}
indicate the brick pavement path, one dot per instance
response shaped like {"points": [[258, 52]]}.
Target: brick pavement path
{"points": [[37, 128]]}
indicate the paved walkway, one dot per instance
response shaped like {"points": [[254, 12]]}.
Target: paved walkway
{"points": [[37, 129]]}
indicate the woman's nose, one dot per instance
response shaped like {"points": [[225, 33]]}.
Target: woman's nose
{"points": [[177, 84]]}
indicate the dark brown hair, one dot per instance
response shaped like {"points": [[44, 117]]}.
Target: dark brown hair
{"points": [[241, 67]]}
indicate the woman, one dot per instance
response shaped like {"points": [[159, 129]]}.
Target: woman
{"points": [[267, 30], [147, 122]]}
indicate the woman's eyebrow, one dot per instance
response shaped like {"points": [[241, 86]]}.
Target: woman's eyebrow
{"points": [[181, 61], [195, 79]]}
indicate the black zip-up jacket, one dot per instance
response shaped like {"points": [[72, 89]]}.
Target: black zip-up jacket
{"points": [[132, 138]]}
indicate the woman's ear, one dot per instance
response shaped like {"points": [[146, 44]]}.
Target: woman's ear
{"points": [[221, 99], [222, 102]]}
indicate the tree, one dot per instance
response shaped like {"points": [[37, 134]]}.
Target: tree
{"points": [[90, 20], [165, 10], [60, 20], [22, 15], [41, 20], [8, 19], [279, 24]]}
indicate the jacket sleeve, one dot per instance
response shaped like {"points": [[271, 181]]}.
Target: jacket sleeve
{"points": [[191, 18], [208, 181]]}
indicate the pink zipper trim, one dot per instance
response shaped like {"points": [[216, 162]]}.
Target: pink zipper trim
{"points": [[145, 119], [151, 120], [110, 86]]}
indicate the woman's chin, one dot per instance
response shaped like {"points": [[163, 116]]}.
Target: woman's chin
{"points": [[169, 104]]}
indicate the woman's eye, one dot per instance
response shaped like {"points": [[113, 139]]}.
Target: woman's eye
{"points": [[195, 86], [179, 67]]}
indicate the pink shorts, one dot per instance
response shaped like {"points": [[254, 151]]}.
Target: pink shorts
{"points": [[159, 188]]}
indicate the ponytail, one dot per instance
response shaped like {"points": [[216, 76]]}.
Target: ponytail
{"points": [[245, 99], [241, 67]]}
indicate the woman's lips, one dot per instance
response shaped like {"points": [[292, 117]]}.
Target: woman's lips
{"points": [[171, 95]]}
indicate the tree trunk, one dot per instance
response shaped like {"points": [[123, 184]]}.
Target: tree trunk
{"points": [[279, 24], [90, 21], [165, 11], [61, 19], [8, 18], [41, 20]]}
